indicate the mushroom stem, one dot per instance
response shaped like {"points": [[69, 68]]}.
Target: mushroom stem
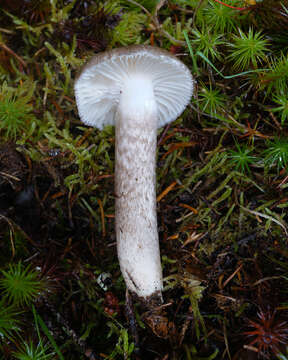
{"points": [[135, 182]]}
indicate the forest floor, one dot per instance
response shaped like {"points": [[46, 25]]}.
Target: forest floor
{"points": [[221, 184]]}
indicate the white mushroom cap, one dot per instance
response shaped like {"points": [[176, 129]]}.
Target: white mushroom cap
{"points": [[99, 85]]}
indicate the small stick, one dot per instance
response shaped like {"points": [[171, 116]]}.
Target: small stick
{"points": [[10, 51], [231, 276], [166, 191], [102, 217], [233, 7], [9, 176], [164, 132]]}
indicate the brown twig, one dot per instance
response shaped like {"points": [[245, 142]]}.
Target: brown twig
{"points": [[10, 51]]}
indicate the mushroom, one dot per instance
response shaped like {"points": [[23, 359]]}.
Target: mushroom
{"points": [[137, 89]]}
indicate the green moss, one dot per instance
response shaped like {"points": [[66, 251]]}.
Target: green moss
{"points": [[16, 112], [20, 285], [222, 221], [222, 18], [129, 30], [248, 50]]}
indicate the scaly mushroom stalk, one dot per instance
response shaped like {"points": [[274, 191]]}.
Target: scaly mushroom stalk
{"points": [[136, 218]]}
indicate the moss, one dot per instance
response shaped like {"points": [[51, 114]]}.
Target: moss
{"points": [[221, 179]]}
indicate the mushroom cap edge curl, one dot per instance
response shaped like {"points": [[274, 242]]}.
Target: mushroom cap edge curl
{"points": [[99, 84]]}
